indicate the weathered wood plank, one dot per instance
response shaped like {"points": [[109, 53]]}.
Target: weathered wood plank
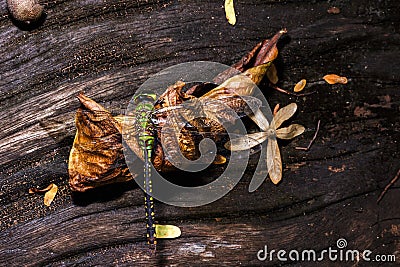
{"points": [[109, 49]]}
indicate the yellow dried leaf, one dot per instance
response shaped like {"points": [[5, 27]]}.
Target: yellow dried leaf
{"points": [[272, 73], [50, 195], [300, 86], [230, 12], [167, 231], [333, 79]]}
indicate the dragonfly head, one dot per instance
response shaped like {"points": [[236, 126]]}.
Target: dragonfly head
{"points": [[145, 98]]}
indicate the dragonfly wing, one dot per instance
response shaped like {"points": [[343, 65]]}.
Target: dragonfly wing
{"points": [[274, 162], [290, 132], [283, 114], [242, 105], [246, 142]]}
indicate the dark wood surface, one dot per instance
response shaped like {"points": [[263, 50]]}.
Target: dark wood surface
{"points": [[108, 49]]}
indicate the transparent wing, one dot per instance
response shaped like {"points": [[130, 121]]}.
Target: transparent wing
{"points": [[225, 109]]}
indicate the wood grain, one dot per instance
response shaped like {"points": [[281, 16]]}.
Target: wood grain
{"points": [[108, 49]]}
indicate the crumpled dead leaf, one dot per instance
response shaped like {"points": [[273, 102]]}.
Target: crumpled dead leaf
{"points": [[262, 53], [96, 157], [50, 193], [230, 12]]}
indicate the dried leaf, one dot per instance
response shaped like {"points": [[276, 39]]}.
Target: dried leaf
{"points": [[167, 231], [272, 74], [259, 118], [300, 86], [334, 79], [96, 157], [276, 108], [290, 132], [262, 53], [35, 190], [284, 114], [230, 12], [50, 192], [247, 141], [274, 162], [50, 195], [219, 160]]}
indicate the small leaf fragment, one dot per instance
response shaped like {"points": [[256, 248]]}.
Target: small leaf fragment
{"points": [[167, 231], [219, 159], [272, 74], [50, 195], [276, 108], [300, 86], [230, 12], [36, 190], [333, 10], [334, 79]]}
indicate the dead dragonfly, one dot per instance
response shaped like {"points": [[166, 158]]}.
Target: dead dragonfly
{"points": [[98, 143], [96, 156]]}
